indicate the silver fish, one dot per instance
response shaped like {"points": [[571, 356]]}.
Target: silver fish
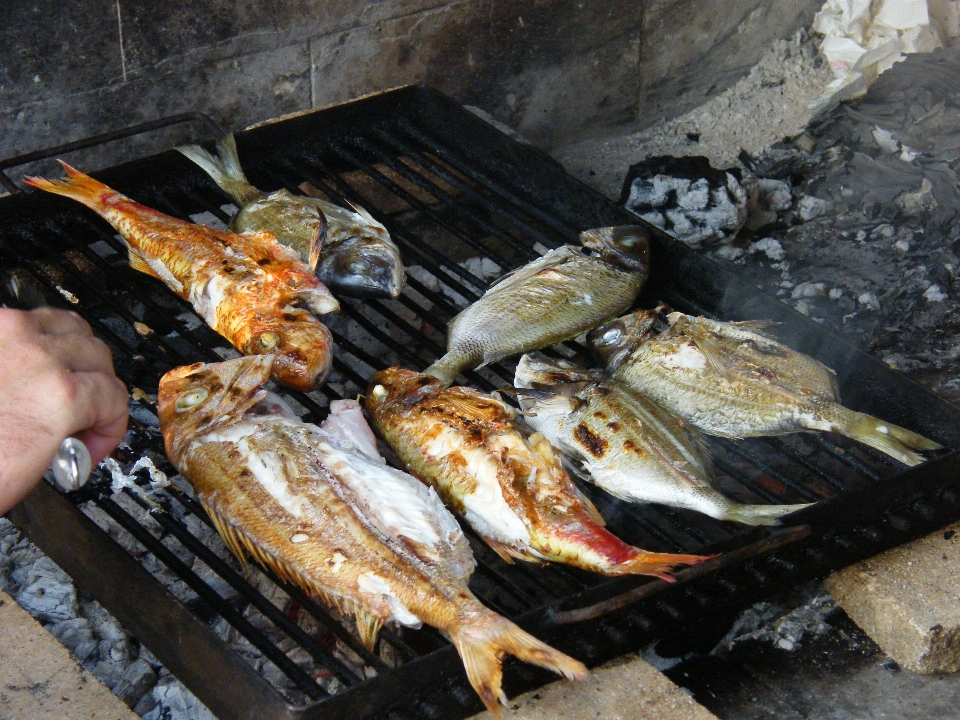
{"points": [[554, 298], [727, 393], [357, 257], [629, 446]]}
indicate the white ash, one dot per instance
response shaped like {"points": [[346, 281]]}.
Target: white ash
{"points": [[47, 593], [869, 301], [811, 207], [835, 293], [934, 294], [808, 290], [175, 702], [769, 247], [782, 625]]}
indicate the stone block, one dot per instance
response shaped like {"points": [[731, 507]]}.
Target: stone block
{"points": [[628, 688], [40, 680], [908, 601]]}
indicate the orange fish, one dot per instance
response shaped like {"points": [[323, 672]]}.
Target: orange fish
{"points": [[512, 490], [321, 507], [248, 287]]}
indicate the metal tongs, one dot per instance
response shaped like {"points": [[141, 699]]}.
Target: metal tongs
{"points": [[71, 465]]}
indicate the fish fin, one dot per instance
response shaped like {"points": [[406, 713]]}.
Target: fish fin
{"points": [[368, 626], [658, 565], [591, 509], [362, 212], [505, 552], [224, 168], [315, 247], [710, 349], [228, 534], [78, 186], [760, 327], [482, 641], [552, 259], [311, 190], [895, 441], [759, 514], [139, 264]]}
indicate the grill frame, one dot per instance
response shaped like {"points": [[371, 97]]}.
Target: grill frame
{"points": [[494, 172]]}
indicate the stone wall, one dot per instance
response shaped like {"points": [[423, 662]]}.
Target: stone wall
{"points": [[554, 69]]}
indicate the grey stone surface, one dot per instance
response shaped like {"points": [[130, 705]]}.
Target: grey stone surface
{"points": [[552, 69]]}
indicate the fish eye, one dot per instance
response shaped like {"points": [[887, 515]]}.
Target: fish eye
{"points": [[269, 340], [610, 337], [191, 399], [358, 266], [629, 241], [379, 393]]}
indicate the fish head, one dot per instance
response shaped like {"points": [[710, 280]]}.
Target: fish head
{"points": [[303, 348], [625, 246], [195, 400], [613, 341], [536, 370], [398, 387], [365, 265]]}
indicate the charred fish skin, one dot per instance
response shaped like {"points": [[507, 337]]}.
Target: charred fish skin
{"points": [[629, 445], [725, 395], [510, 489], [247, 287], [554, 298], [319, 506], [355, 256]]}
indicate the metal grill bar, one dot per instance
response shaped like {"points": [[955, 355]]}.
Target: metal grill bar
{"points": [[496, 199]]}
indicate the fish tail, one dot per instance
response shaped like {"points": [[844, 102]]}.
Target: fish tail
{"points": [[446, 368], [895, 441], [77, 186], [660, 565], [758, 514], [486, 637], [224, 168]]}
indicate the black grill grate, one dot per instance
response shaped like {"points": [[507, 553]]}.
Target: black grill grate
{"points": [[448, 187]]}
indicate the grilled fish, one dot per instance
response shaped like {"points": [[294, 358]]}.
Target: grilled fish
{"points": [[725, 388], [630, 446], [246, 287], [319, 507], [512, 490], [356, 256], [552, 299]]}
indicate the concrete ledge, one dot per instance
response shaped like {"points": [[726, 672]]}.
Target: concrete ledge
{"points": [[40, 680], [908, 601], [624, 689]]}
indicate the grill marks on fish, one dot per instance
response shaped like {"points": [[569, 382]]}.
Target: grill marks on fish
{"points": [[246, 287], [547, 301], [705, 372], [512, 490], [649, 456], [319, 507]]}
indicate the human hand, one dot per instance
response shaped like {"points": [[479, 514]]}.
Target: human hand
{"points": [[56, 380]]}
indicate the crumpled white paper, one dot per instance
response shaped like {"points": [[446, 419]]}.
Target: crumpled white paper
{"points": [[864, 38]]}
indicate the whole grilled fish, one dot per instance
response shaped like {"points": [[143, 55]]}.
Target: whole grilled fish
{"points": [[319, 506], [630, 446], [549, 300], [721, 384], [356, 256], [512, 490], [246, 287]]}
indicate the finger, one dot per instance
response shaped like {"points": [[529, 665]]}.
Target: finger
{"points": [[52, 321], [79, 353], [100, 413]]}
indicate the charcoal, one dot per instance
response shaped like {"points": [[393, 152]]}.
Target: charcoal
{"points": [[77, 636], [48, 593], [135, 682]]}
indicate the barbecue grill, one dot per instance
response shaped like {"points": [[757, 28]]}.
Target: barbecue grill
{"points": [[449, 187]]}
